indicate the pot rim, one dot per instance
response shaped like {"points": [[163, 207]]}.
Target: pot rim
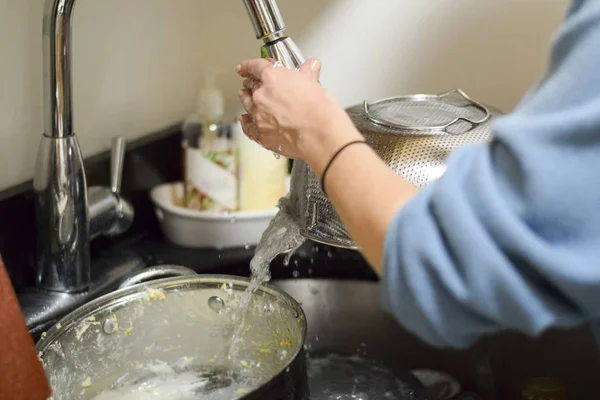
{"points": [[122, 296]]}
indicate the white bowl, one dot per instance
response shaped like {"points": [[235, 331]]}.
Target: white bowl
{"points": [[206, 229]]}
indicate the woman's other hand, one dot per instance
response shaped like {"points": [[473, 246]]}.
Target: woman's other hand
{"points": [[290, 113]]}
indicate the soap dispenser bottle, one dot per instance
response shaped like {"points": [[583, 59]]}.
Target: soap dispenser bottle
{"points": [[209, 155]]}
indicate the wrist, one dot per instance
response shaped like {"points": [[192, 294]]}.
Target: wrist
{"points": [[333, 132]]}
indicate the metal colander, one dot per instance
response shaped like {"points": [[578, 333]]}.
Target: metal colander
{"points": [[413, 135]]}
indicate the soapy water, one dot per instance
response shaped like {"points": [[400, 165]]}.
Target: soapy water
{"points": [[164, 382], [281, 236], [332, 376]]}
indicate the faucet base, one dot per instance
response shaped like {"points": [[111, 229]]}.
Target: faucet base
{"points": [[42, 308], [63, 235]]}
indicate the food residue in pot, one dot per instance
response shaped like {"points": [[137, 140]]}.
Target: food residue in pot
{"points": [[87, 382], [79, 332], [154, 294]]}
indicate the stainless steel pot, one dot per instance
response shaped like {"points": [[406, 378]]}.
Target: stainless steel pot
{"points": [[171, 337]]}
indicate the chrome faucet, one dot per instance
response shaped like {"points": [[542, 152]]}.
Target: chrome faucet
{"points": [[68, 214], [270, 28]]}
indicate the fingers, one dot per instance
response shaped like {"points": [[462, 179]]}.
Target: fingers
{"points": [[312, 66], [251, 84], [249, 127], [253, 68], [245, 96]]}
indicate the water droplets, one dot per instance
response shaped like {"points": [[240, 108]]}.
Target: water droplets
{"points": [[216, 304], [268, 308], [110, 326], [295, 274]]}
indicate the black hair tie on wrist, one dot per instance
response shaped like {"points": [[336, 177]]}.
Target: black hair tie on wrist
{"points": [[337, 153]]}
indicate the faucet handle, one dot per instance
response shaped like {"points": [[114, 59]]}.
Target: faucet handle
{"points": [[117, 159]]}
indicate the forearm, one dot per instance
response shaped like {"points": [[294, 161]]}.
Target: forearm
{"points": [[365, 192]]}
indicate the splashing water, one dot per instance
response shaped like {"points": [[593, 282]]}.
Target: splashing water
{"points": [[281, 236]]}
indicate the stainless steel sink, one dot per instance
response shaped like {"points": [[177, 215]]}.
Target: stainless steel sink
{"points": [[346, 316]]}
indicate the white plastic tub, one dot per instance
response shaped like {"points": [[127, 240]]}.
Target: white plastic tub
{"points": [[206, 229]]}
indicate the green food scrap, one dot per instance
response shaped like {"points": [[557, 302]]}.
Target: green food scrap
{"points": [[87, 382], [263, 52]]}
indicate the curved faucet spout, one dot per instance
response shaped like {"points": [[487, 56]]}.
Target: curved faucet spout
{"points": [[58, 119], [63, 234]]}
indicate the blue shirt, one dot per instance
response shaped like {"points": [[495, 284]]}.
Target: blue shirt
{"points": [[509, 237]]}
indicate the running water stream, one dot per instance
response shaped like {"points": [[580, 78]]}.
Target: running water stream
{"points": [[281, 236]]}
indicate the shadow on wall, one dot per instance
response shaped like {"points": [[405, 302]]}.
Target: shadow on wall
{"points": [[493, 50], [492, 53], [238, 42], [154, 48], [138, 64]]}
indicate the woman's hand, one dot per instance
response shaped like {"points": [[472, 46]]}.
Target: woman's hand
{"points": [[290, 113]]}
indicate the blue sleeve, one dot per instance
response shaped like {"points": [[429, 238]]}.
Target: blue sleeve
{"points": [[509, 237]]}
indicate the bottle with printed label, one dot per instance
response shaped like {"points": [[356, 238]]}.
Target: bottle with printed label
{"points": [[263, 178], [210, 166]]}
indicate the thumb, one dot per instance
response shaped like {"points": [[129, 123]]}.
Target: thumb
{"points": [[312, 66]]}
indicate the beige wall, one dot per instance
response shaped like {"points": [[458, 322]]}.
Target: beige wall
{"points": [[138, 63]]}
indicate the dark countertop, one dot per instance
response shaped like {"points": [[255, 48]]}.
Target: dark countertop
{"points": [[145, 167]]}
